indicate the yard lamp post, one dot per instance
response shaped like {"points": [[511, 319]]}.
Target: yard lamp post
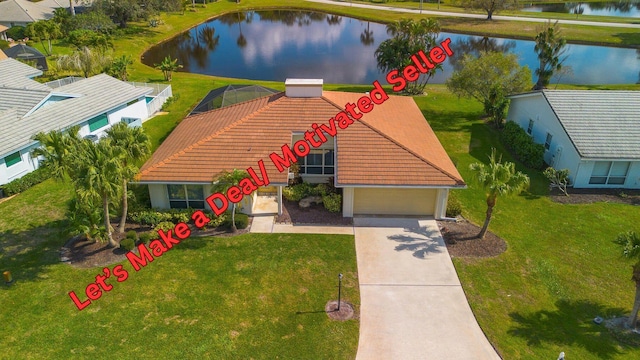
{"points": [[339, 289]]}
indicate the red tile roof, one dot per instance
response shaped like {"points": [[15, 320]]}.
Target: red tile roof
{"points": [[393, 145]]}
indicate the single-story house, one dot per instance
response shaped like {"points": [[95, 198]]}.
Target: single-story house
{"points": [[28, 107], [388, 162], [23, 12], [593, 133]]}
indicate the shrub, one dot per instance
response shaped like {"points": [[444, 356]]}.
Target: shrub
{"points": [[297, 192], [146, 237], [155, 217], [16, 32], [127, 244], [557, 178], [332, 202], [242, 221], [165, 225], [19, 185], [4, 44], [131, 234], [216, 220], [522, 145], [454, 207]]}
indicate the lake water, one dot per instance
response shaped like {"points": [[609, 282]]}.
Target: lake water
{"points": [[620, 8], [275, 45]]}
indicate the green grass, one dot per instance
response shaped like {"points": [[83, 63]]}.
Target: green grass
{"points": [[250, 296], [561, 268]]}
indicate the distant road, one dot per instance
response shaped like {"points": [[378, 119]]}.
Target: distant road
{"points": [[478, 16]]}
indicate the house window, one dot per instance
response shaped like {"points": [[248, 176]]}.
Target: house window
{"points": [[185, 196], [609, 172], [530, 128], [547, 141], [318, 162], [98, 122], [13, 159]]}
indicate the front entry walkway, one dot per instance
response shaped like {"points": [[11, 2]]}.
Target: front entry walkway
{"points": [[412, 303]]}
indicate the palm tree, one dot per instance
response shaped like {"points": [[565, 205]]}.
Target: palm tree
{"points": [[630, 242], [57, 148], [222, 182], [133, 145], [99, 177], [168, 66], [498, 179], [85, 60]]}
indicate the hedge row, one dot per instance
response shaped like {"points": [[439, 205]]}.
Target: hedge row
{"points": [[522, 145], [153, 217], [19, 185]]}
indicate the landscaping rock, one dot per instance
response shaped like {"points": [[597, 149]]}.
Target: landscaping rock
{"points": [[309, 200]]}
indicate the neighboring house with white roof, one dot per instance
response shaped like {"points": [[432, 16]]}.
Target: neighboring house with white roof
{"points": [[23, 12], [28, 107], [593, 133]]}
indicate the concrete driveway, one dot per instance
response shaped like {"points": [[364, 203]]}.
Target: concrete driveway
{"points": [[412, 303]]}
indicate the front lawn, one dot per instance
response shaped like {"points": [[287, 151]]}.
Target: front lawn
{"points": [[251, 296]]}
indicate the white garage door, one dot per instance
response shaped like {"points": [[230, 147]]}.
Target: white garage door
{"points": [[393, 201]]}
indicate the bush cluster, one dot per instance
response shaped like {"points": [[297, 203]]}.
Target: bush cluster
{"points": [[522, 145], [242, 221], [153, 217], [146, 237], [454, 207], [127, 244], [33, 178], [332, 202], [297, 192]]}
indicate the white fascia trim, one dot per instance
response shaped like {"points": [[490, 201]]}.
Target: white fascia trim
{"points": [[406, 186], [610, 159]]}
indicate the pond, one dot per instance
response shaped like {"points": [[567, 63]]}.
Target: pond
{"points": [[623, 8], [275, 45]]}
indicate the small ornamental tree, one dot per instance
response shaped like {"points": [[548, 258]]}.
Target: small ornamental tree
{"points": [[558, 178], [630, 243], [222, 182], [168, 66]]}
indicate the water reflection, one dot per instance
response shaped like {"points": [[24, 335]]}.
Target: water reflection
{"points": [[622, 8], [275, 45]]}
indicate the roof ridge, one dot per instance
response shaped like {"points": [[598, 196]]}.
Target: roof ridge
{"points": [[205, 139]]}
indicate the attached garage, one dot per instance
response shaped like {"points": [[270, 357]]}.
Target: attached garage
{"points": [[394, 201]]}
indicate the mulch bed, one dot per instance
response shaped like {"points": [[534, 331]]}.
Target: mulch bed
{"points": [[315, 214], [346, 311], [588, 196], [460, 238], [82, 253]]}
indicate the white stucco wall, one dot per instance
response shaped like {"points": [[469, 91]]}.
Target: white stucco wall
{"points": [[135, 110], [25, 166], [536, 108]]}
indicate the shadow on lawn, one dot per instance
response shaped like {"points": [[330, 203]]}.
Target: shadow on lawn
{"points": [[570, 324], [27, 254], [416, 241]]}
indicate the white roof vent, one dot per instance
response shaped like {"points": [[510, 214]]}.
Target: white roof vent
{"points": [[303, 88]]}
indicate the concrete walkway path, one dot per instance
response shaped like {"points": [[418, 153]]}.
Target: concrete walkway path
{"points": [[478, 16], [412, 303]]}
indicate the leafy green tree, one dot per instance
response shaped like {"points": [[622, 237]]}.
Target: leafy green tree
{"points": [[89, 38], [88, 62], [121, 11], [222, 182], [44, 30], [56, 148], [168, 66], [490, 6], [133, 146], [630, 243], [488, 79], [119, 68], [409, 37], [94, 20], [62, 17], [550, 46], [498, 179], [99, 177]]}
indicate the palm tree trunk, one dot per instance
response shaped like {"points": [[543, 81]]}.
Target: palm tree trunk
{"points": [[233, 218], [487, 219], [107, 225], [125, 207], [631, 322]]}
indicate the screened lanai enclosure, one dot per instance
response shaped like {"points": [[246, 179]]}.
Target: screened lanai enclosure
{"points": [[229, 95]]}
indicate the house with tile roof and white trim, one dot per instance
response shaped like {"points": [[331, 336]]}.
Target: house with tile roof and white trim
{"points": [[28, 107], [593, 133], [23, 12], [388, 162]]}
